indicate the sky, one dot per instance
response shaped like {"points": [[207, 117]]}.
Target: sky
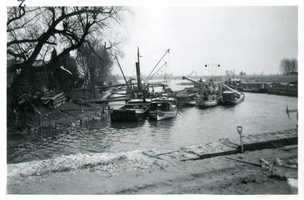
{"points": [[249, 39]]}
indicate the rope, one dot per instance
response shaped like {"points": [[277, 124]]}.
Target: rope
{"points": [[154, 53], [168, 50], [155, 73], [152, 59]]}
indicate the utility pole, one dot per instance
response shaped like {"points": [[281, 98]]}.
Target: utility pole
{"points": [[212, 65]]}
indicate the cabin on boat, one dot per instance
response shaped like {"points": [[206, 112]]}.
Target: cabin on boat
{"points": [[162, 104], [230, 96]]}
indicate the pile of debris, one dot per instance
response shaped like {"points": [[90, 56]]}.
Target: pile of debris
{"points": [[28, 95], [53, 100], [279, 168]]}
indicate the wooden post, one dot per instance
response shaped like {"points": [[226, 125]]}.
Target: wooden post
{"points": [[241, 143], [240, 130]]}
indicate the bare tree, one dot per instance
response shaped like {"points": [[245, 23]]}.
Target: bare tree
{"points": [[287, 66], [30, 31], [96, 63], [33, 33]]}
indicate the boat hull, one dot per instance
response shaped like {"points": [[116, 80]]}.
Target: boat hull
{"points": [[208, 104], [162, 115], [233, 102], [133, 111], [254, 90], [283, 91], [163, 108], [128, 115], [191, 103]]}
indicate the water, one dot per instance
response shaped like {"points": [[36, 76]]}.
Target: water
{"points": [[259, 113]]}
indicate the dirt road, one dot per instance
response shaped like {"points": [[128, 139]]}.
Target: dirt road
{"points": [[217, 175]]}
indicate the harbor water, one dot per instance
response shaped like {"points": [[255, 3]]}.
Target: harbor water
{"points": [[259, 113]]}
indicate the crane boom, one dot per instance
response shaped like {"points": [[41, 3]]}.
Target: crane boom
{"points": [[192, 80], [229, 88]]}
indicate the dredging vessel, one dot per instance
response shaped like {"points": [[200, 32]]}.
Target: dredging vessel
{"points": [[137, 108], [231, 96], [209, 93]]}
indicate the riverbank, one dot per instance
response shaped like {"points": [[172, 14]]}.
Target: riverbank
{"points": [[69, 114], [216, 175], [185, 171]]}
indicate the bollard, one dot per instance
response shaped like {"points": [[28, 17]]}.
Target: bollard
{"points": [[240, 130]]}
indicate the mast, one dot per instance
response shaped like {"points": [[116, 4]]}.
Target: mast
{"points": [[241, 79], [123, 74], [138, 72], [149, 77]]}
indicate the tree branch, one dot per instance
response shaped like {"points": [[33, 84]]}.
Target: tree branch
{"points": [[22, 41], [74, 33], [16, 17], [15, 54]]}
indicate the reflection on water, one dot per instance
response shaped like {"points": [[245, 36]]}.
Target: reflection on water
{"points": [[128, 125], [259, 113]]}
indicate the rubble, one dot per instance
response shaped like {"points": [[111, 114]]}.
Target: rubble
{"points": [[53, 100]]}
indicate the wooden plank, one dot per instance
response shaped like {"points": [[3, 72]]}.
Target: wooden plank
{"points": [[243, 161], [58, 95], [264, 161], [118, 93], [152, 156], [45, 102], [59, 100], [52, 97], [22, 101], [108, 94], [104, 100], [57, 105], [47, 114], [83, 109], [122, 97], [108, 86], [170, 152]]}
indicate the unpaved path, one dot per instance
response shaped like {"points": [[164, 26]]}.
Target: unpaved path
{"points": [[216, 175]]}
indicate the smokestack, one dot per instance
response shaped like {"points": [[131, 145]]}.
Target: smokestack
{"points": [[138, 71]]}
